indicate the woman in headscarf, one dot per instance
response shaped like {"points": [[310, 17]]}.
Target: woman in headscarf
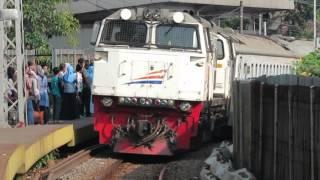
{"points": [[69, 102], [44, 97]]}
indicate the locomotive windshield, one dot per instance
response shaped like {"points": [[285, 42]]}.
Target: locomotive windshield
{"points": [[119, 32], [177, 36], [134, 34]]}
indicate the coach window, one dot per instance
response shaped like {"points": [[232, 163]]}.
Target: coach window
{"points": [[220, 49]]}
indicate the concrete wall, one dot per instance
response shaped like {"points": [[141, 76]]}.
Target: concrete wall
{"points": [[84, 37]]}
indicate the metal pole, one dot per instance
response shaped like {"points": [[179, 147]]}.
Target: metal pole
{"points": [[260, 24], [241, 17], [12, 11], [254, 24], [2, 71], [19, 60], [315, 23], [265, 28], [312, 133], [275, 137]]}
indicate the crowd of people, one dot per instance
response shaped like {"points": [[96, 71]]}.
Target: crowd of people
{"points": [[66, 91]]}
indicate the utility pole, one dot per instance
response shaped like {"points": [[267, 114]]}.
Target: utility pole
{"points": [[315, 23], [11, 55], [241, 17]]}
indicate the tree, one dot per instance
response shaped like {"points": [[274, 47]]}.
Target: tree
{"points": [[309, 65], [300, 15], [42, 20]]}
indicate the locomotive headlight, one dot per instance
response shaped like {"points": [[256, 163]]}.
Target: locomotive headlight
{"points": [[148, 102], [142, 101], [121, 100], [178, 17], [126, 14], [171, 102], [127, 100], [164, 102], [134, 100], [185, 106], [107, 102], [157, 102]]}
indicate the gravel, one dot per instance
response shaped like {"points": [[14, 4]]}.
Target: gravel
{"points": [[88, 170], [183, 166]]}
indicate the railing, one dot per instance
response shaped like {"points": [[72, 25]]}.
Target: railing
{"points": [[277, 127], [70, 56]]}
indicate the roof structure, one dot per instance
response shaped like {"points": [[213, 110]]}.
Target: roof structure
{"points": [[273, 46], [207, 6]]}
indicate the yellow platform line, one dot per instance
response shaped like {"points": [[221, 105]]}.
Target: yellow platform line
{"points": [[24, 156]]}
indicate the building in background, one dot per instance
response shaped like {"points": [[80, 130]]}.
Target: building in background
{"points": [[88, 11]]}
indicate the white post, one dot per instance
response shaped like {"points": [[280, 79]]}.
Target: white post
{"points": [[241, 17], [265, 28], [11, 10], [254, 24], [260, 24], [3, 114]]}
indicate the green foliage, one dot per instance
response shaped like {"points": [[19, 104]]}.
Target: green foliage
{"points": [[43, 162], [42, 20], [300, 14], [305, 34], [309, 65], [233, 23], [299, 18]]}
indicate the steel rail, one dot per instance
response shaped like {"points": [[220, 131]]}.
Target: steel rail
{"points": [[68, 163], [163, 171]]}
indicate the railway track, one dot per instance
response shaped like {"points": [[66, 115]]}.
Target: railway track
{"points": [[96, 163], [75, 160], [162, 173]]}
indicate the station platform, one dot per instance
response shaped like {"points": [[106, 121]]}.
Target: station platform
{"points": [[20, 148]]}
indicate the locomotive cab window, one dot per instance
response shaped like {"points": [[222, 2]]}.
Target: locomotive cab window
{"points": [[177, 36], [119, 32], [220, 50]]}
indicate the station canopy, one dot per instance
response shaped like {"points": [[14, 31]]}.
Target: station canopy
{"points": [[206, 7]]}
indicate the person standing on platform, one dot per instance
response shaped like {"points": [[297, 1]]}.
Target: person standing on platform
{"points": [[56, 90], [86, 89], [31, 90], [86, 93], [90, 81], [69, 95], [79, 89], [44, 96]]}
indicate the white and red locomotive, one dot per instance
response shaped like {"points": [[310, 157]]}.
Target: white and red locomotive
{"points": [[161, 80]]}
